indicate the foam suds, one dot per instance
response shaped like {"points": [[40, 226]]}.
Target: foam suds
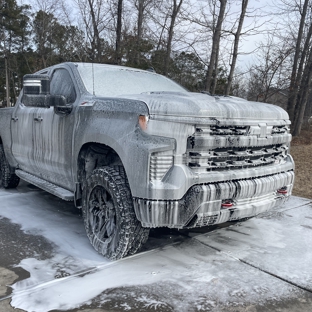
{"points": [[182, 276]]}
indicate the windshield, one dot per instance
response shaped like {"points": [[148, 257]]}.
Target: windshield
{"points": [[111, 80]]}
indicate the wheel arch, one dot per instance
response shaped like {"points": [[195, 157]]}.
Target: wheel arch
{"points": [[91, 156], [8, 154], [8, 179], [94, 155]]}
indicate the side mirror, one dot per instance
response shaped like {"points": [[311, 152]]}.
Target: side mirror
{"points": [[36, 84], [36, 92]]}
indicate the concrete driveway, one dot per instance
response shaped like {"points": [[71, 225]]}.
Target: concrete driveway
{"points": [[47, 263]]}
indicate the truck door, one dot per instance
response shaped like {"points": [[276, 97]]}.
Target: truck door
{"points": [[42, 137], [22, 126], [53, 131]]}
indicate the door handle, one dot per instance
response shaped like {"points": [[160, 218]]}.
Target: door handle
{"points": [[39, 118], [14, 118]]}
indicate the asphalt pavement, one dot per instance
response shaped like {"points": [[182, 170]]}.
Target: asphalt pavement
{"points": [[47, 263]]}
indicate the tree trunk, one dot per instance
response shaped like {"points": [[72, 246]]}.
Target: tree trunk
{"points": [[140, 29], [300, 72], [175, 11], [305, 87], [161, 33], [7, 82], [215, 44], [235, 49], [215, 73], [96, 42], [118, 33], [294, 82], [304, 53]]}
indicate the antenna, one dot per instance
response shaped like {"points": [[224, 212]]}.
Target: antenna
{"points": [[93, 78]]}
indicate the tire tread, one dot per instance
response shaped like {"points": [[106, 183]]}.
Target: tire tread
{"points": [[132, 234], [7, 179]]}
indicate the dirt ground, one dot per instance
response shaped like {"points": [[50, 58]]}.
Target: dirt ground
{"points": [[301, 151]]}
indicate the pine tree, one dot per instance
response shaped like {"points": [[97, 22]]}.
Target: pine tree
{"points": [[14, 41]]}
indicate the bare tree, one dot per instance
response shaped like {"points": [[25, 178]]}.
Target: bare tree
{"points": [[294, 80], [141, 6], [55, 7], [159, 15], [164, 19], [302, 85], [176, 6], [118, 33], [303, 95], [235, 48], [213, 64], [96, 41], [269, 74], [299, 35], [97, 19]]}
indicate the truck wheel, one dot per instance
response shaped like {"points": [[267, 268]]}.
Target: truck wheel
{"points": [[109, 216], [7, 179]]}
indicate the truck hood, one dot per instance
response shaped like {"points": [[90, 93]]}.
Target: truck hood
{"points": [[191, 104]]}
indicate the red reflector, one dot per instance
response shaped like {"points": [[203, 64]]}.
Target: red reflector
{"points": [[282, 191], [226, 205]]}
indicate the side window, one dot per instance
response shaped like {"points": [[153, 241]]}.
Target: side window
{"points": [[62, 84]]}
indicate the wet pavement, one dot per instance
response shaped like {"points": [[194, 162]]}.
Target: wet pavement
{"points": [[47, 263]]}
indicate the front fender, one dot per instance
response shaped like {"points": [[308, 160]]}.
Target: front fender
{"points": [[114, 123]]}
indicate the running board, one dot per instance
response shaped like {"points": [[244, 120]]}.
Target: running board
{"points": [[47, 186]]}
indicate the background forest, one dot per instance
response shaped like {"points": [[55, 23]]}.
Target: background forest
{"points": [[247, 48]]}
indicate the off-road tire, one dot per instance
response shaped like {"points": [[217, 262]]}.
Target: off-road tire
{"points": [[7, 179], [109, 216]]}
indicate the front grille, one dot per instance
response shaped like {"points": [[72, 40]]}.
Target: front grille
{"points": [[228, 130], [218, 148], [236, 158], [280, 129]]}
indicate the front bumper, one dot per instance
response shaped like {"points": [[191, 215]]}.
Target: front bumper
{"points": [[201, 205]]}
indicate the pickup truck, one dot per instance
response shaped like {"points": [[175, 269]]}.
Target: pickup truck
{"points": [[135, 150]]}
